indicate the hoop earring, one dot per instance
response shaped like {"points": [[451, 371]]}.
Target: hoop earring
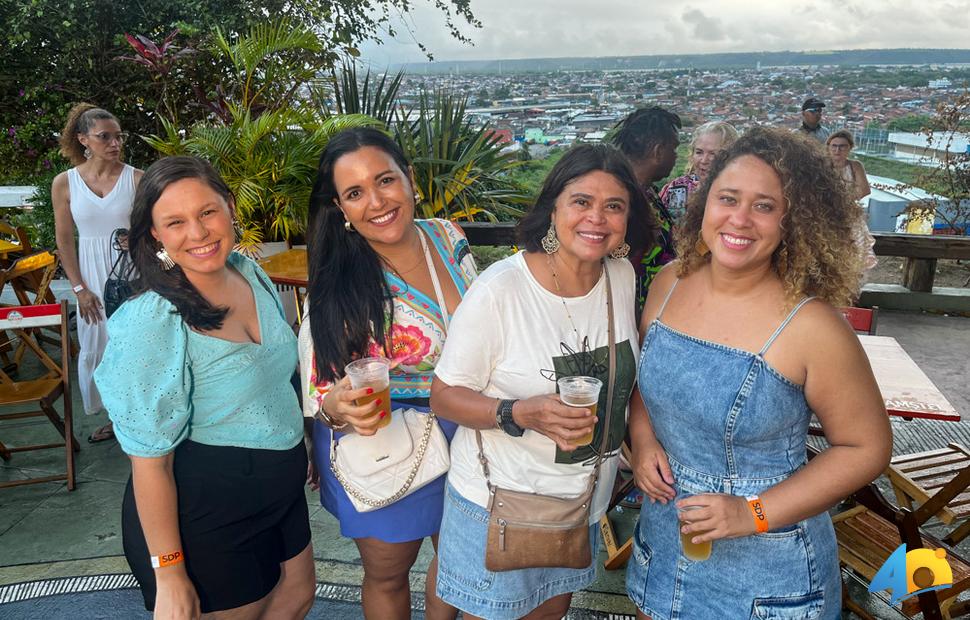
{"points": [[165, 259], [87, 153], [550, 243], [621, 251], [701, 248], [348, 226]]}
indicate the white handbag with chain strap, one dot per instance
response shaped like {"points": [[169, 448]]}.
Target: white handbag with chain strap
{"points": [[402, 457]]}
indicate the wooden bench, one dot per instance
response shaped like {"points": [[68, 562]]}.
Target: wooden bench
{"points": [[917, 477], [870, 532], [921, 253]]}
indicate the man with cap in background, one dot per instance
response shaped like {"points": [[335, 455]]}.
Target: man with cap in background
{"points": [[812, 120]]}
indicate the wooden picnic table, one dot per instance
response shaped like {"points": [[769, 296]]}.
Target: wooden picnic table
{"points": [[907, 391]]}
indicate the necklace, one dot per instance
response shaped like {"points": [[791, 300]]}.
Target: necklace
{"points": [[565, 306]]}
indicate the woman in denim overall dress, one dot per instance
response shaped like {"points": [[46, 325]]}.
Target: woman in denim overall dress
{"points": [[741, 344]]}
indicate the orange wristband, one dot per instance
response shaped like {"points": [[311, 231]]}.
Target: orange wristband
{"points": [[757, 508], [167, 559]]}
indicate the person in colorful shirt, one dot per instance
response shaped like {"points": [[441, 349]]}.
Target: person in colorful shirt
{"points": [[374, 271], [707, 141], [649, 137]]}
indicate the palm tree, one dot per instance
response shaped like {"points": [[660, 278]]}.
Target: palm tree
{"points": [[267, 136], [460, 172]]}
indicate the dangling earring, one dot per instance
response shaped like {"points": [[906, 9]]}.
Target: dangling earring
{"points": [[417, 198], [621, 251], [238, 230], [165, 259], [550, 243], [87, 153], [701, 248]]}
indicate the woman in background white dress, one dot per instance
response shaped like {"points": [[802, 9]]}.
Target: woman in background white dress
{"points": [[95, 196]]}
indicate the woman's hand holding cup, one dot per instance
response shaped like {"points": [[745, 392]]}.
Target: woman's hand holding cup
{"points": [[341, 406], [563, 424]]}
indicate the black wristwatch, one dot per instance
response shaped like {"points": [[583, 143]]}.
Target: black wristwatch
{"points": [[503, 417]]}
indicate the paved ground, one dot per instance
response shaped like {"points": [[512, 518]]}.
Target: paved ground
{"points": [[46, 532]]}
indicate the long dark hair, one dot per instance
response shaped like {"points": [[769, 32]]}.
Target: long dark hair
{"points": [[350, 300], [641, 225], [171, 284]]}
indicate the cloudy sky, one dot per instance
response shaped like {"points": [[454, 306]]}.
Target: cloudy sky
{"points": [[551, 28]]}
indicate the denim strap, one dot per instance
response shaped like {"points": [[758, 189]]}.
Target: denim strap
{"points": [[784, 324]]}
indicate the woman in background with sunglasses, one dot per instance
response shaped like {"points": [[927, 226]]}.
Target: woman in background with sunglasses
{"points": [[96, 196]]}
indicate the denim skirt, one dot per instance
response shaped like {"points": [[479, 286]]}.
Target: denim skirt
{"points": [[464, 582]]}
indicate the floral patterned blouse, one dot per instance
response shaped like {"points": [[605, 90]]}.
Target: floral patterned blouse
{"points": [[675, 193], [417, 332]]}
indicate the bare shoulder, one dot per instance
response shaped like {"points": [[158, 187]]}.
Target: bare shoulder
{"points": [[857, 165], [61, 191], [137, 175], [659, 287], [60, 182], [823, 330]]}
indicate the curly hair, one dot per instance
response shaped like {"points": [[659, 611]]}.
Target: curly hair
{"points": [[819, 254], [80, 119], [723, 130]]}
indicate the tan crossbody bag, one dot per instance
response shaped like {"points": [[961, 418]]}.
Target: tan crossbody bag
{"points": [[528, 530]]}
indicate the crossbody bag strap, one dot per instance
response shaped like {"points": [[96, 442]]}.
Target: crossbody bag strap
{"points": [[611, 379], [611, 382], [434, 280]]}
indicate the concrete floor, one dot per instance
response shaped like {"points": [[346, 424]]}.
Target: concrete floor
{"points": [[47, 532]]}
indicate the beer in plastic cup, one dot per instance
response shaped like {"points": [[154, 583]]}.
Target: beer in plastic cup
{"points": [[581, 392], [372, 372], [697, 552]]}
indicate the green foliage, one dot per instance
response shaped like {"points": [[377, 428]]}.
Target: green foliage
{"points": [[911, 123], [901, 171], [531, 174], [54, 53], [39, 219], [267, 145], [460, 172], [372, 95]]}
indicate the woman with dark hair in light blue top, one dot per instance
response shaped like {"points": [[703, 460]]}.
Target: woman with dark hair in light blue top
{"points": [[196, 379]]}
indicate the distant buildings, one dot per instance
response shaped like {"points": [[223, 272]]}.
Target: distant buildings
{"points": [[919, 148]]}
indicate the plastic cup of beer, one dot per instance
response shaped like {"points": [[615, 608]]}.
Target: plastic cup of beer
{"points": [[584, 393], [373, 373], [693, 551]]}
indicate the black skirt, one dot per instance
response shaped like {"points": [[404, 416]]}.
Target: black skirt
{"points": [[241, 511]]}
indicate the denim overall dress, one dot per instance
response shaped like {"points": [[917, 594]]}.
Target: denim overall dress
{"points": [[729, 423]]}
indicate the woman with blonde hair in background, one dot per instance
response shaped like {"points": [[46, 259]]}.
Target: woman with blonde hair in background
{"points": [[706, 142], [96, 196], [840, 144]]}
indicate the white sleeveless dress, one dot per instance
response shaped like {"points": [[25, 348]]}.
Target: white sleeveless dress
{"points": [[96, 218]]}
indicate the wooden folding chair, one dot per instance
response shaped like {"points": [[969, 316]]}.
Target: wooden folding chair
{"points": [[30, 279], [918, 477], [870, 532], [23, 322], [862, 319], [14, 241], [617, 555]]}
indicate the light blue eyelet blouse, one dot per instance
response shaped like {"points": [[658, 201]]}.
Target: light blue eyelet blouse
{"points": [[162, 382]]}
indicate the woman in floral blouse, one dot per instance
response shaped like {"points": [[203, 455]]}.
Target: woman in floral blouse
{"points": [[372, 293]]}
